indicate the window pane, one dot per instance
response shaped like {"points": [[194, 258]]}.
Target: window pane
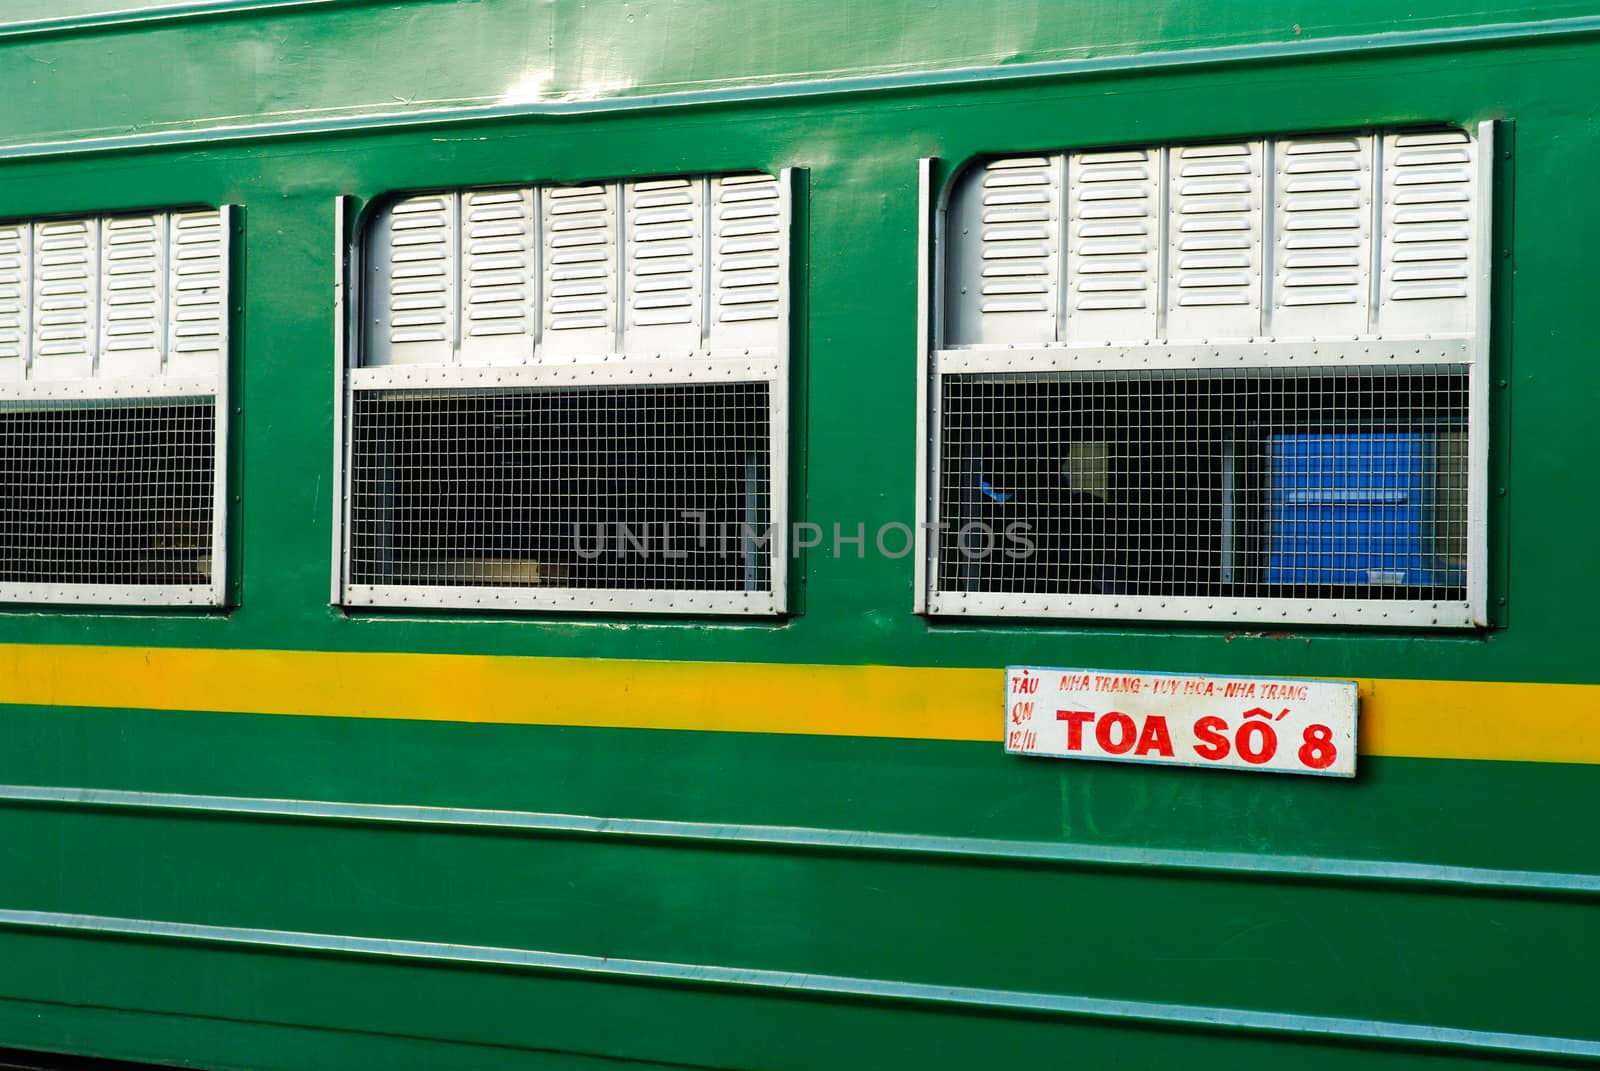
{"points": [[1332, 484], [663, 487]]}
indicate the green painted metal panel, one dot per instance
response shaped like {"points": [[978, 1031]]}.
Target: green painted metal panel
{"points": [[722, 1030], [257, 61], [858, 442], [1487, 955]]}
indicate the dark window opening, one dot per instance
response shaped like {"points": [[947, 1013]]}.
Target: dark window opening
{"points": [[657, 487], [107, 493], [1330, 484]]}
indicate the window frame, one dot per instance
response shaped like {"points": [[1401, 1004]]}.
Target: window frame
{"points": [[94, 391], [719, 364], [935, 361]]}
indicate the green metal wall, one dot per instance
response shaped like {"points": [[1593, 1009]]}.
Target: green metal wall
{"points": [[1203, 918]]}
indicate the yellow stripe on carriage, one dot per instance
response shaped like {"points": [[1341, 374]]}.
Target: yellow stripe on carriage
{"points": [[1529, 722]]}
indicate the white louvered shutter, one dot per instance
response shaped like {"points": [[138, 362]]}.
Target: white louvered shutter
{"points": [[665, 271], [1113, 245], [1430, 205], [16, 285], [114, 298], [499, 278], [1214, 254], [580, 270], [198, 295], [538, 275], [1352, 234], [415, 283], [66, 276], [1323, 226], [1005, 268], [747, 264], [133, 296]]}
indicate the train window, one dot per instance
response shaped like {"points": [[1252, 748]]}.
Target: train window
{"points": [[113, 410], [1227, 382], [571, 398]]}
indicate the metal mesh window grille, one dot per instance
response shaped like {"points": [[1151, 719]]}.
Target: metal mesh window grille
{"points": [[106, 494], [1327, 485], [634, 488]]}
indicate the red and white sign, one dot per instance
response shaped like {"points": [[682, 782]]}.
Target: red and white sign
{"points": [[1246, 723]]}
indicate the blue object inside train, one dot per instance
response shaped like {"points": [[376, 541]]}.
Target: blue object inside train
{"points": [[1354, 509]]}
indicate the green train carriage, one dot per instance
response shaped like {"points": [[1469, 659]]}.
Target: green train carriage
{"points": [[487, 492]]}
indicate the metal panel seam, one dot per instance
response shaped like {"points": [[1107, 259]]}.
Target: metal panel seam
{"points": [[997, 850], [780, 982], [1135, 64], [118, 21]]}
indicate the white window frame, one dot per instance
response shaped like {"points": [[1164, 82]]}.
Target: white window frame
{"points": [[936, 360], [189, 384], [721, 364]]}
